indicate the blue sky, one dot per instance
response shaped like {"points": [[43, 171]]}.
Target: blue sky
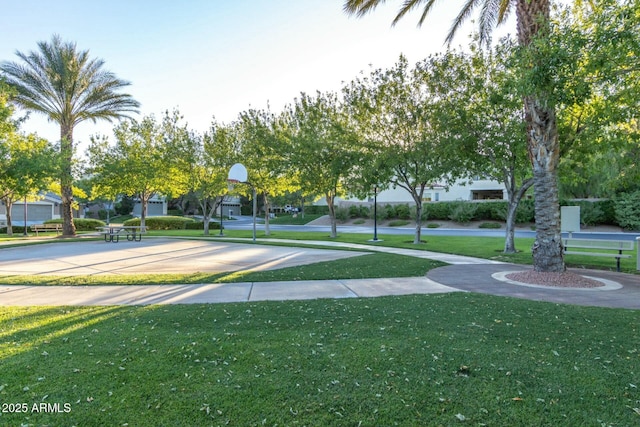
{"points": [[219, 57]]}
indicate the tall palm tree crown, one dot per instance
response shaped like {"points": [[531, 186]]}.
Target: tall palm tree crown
{"points": [[68, 87], [540, 117]]}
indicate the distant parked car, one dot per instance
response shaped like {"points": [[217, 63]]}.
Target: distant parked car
{"points": [[291, 209]]}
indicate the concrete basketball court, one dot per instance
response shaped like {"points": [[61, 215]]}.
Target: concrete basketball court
{"points": [[156, 256]]}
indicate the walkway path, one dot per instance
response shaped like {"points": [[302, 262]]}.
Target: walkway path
{"points": [[464, 274]]}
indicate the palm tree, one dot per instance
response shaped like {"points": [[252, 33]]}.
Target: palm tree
{"points": [[532, 21], [68, 87]]}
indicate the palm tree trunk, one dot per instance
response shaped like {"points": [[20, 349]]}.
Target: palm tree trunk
{"points": [[66, 180], [542, 136], [545, 154]]}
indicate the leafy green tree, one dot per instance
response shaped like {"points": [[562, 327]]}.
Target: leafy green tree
{"points": [[206, 163], [68, 87], [405, 133], [533, 17], [27, 165], [482, 109], [141, 163], [262, 152], [322, 148], [598, 109]]}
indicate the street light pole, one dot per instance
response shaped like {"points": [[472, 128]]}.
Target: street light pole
{"points": [[255, 209], [221, 214], [24, 233], [375, 213]]}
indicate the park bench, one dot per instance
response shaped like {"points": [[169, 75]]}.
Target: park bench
{"points": [[46, 227], [618, 246], [112, 233]]}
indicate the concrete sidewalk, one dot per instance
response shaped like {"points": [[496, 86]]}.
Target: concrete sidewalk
{"points": [[215, 293]]}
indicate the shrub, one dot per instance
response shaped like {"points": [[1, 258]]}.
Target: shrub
{"points": [[463, 212], [590, 213], [17, 229], [403, 211], [162, 222], [398, 223], [316, 210], [433, 225], [490, 225], [608, 211], [102, 213], [124, 206], [525, 211], [436, 210], [389, 212], [354, 211], [175, 212], [342, 214], [82, 224], [499, 211], [364, 212], [494, 210], [199, 225], [627, 210]]}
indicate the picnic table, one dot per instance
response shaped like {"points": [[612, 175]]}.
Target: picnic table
{"points": [[112, 233]]}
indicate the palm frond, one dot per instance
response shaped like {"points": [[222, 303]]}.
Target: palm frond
{"points": [[463, 15], [66, 85], [361, 7]]}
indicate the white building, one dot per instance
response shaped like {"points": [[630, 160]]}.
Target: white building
{"points": [[473, 189]]}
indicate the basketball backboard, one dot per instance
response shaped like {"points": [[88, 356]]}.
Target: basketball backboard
{"points": [[238, 173]]}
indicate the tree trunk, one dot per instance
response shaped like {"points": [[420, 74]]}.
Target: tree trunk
{"points": [[8, 203], [205, 220], [512, 207], [332, 214], [66, 180], [144, 201], [545, 155], [417, 239], [509, 240], [417, 193], [267, 211], [542, 141]]}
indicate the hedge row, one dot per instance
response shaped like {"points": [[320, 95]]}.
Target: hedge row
{"points": [[82, 224], [172, 223], [623, 211]]}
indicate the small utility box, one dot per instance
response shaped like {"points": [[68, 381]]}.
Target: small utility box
{"points": [[569, 219]]}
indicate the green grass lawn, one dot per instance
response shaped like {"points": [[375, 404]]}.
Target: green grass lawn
{"points": [[287, 219], [451, 359]]}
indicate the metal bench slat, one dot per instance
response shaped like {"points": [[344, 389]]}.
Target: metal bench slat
{"points": [[612, 255], [625, 245]]}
